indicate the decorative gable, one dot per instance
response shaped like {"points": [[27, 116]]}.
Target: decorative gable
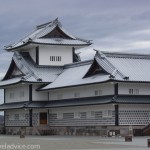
{"points": [[56, 33], [95, 69], [13, 71]]}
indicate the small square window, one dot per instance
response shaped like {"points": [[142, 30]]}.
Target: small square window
{"points": [[96, 93], [130, 91]]}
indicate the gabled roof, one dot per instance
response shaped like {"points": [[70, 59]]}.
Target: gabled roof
{"points": [[118, 67], [30, 71], [109, 67], [134, 66], [72, 75], [51, 33]]}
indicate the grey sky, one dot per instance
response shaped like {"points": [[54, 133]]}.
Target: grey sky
{"points": [[113, 25]]}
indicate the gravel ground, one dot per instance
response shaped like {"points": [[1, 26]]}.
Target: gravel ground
{"points": [[72, 143]]}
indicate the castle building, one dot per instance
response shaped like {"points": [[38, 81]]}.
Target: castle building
{"points": [[49, 90]]}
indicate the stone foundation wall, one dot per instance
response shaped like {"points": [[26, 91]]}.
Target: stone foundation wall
{"points": [[77, 131]]}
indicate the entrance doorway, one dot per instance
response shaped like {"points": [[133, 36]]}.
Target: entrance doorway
{"points": [[43, 118]]}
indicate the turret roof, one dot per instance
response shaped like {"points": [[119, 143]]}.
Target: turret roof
{"points": [[51, 33]]}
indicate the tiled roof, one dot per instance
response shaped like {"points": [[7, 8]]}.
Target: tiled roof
{"points": [[134, 66], [10, 81], [80, 101], [119, 67], [36, 36], [73, 76], [17, 105], [31, 71], [124, 99], [59, 41], [133, 99]]}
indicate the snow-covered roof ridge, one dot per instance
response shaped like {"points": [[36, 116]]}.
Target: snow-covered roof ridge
{"points": [[107, 65], [51, 23], [24, 67], [38, 34], [126, 55], [77, 64]]}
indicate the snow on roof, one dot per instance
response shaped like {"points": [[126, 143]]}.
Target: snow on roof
{"points": [[58, 41], [30, 71], [134, 66], [44, 29], [117, 67], [120, 67]]}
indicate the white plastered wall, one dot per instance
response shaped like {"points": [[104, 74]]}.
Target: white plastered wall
{"points": [[46, 51], [38, 96], [144, 88], [14, 94], [84, 91]]}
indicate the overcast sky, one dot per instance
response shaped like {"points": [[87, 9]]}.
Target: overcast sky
{"points": [[113, 25]]}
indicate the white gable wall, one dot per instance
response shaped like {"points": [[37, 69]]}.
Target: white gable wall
{"points": [[143, 88], [17, 93], [46, 51], [16, 71], [38, 96], [84, 91]]}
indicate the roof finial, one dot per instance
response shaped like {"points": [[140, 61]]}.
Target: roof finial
{"points": [[56, 21], [99, 54]]}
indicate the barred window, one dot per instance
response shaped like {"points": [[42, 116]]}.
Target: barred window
{"points": [[55, 58], [133, 91]]}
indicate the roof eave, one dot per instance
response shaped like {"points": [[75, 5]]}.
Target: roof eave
{"points": [[109, 80]]}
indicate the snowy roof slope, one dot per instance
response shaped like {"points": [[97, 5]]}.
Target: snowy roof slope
{"points": [[42, 30], [30, 71], [119, 67], [134, 66]]}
